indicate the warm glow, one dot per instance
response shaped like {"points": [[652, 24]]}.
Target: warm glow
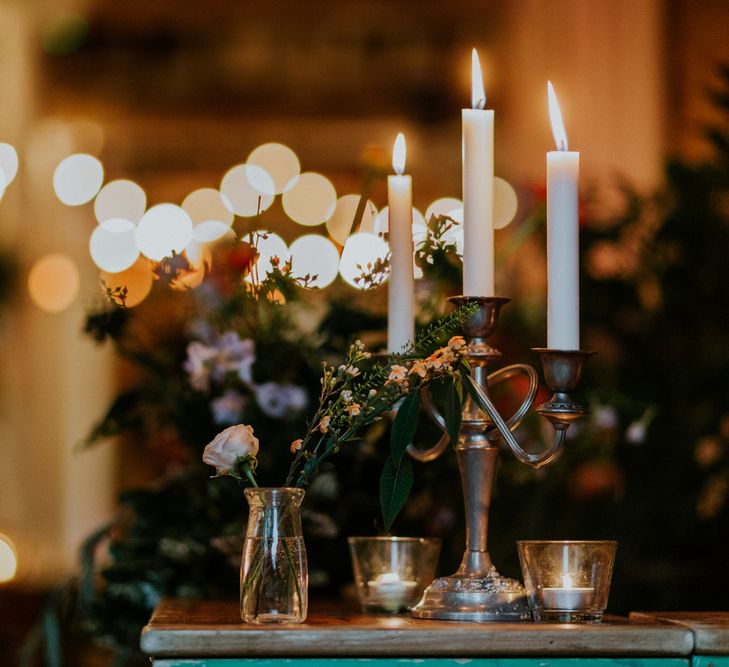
{"points": [[53, 283], [314, 255], [343, 223], [113, 247], [280, 162], [506, 203], [398, 154], [247, 190], [163, 229], [567, 581], [8, 559], [555, 118], [269, 245], [137, 279], [311, 200], [8, 162], [360, 253], [120, 199], [77, 179], [478, 95]]}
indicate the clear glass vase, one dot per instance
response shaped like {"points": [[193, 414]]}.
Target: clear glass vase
{"points": [[273, 573]]}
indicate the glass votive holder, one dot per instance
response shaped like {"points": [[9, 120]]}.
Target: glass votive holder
{"points": [[567, 581], [391, 573]]}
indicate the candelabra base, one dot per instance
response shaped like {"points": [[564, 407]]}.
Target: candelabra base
{"points": [[479, 599]]}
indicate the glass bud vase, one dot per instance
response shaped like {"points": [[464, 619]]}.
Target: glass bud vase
{"points": [[273, 573]]}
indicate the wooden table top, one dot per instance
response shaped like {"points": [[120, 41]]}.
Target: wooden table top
{"points": [[710, 628], [192, 628]]}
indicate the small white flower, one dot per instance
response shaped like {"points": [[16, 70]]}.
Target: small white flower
{"points": [[372, 393], [353, 371], [347, 396], [230, 445]]}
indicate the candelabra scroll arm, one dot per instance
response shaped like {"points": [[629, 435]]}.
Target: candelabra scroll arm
{"points": [[533, 460], [509, 372], [432, 453]]}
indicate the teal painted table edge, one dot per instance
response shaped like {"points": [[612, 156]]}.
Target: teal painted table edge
{"points": [[429, 662]]}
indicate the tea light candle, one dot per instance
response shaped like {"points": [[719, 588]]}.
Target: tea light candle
{"points": [[390, 592], [568, 598]]}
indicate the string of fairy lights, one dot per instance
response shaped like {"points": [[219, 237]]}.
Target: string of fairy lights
{"points": [[130, 237]]}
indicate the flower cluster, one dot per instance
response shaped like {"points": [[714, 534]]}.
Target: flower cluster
{"points": [[350, 399], [229, 360]]}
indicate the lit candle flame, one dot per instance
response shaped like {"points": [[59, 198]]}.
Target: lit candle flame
{"points": [[478, 95], [555, 118], [398, 154]]}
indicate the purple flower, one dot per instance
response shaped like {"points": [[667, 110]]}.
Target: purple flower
{"points": [[228, 407], [279, 400], [234, 355], [197, 364]]}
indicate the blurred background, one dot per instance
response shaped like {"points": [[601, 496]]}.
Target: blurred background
{"points": [[172, 93]]}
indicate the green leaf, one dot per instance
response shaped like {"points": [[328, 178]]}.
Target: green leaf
{"points": [[395, 484], [403, 428], [453, 412]]}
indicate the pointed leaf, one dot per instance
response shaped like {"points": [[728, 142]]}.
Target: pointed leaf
{"points": [[395, 484], [403, 428], [453, 412]]}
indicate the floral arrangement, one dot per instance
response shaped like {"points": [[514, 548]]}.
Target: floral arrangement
{"points": [[350, 400]]}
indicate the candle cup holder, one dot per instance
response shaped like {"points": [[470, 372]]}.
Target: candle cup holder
{"points": [[390, 573], [567, 581], [477, 592]]}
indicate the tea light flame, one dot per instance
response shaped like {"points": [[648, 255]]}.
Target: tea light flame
{"points": [[478, 95], [555, 118]]}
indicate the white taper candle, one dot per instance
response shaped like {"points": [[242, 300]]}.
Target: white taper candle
{"points": [[400, 311], [478, 190], [563, 273]]}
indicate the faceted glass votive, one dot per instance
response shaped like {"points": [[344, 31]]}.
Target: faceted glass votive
{"points": [[391, 573], [567, 581]]}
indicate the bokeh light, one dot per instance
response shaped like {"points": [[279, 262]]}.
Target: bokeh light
{"points": [[342, 221], [8, 559], [359, 251], [138, 280], [311, 200], [53, 282], [8, 163], [271, 246], [78, 178], [247, 190], [505, 203], [163, 229], [315, 255], [120, 199], [199, 257], [443, 206], [381, 224], [114, 247], [279, 162], [210, 217]]}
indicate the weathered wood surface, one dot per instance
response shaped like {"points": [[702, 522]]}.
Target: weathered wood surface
{"points": [[710, 628], [192, 628]]}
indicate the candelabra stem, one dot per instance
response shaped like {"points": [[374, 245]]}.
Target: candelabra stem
{"points": [[477, 466]]}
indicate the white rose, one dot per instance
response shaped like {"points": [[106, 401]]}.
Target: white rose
{"points": [[230, 445]]}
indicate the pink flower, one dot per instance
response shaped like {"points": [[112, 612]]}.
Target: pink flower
{"points": [[354, 409], [296, 445], [419, 368], [228, 446]]}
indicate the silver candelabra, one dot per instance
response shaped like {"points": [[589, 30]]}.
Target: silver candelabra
{"points": [[477, 592]]}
